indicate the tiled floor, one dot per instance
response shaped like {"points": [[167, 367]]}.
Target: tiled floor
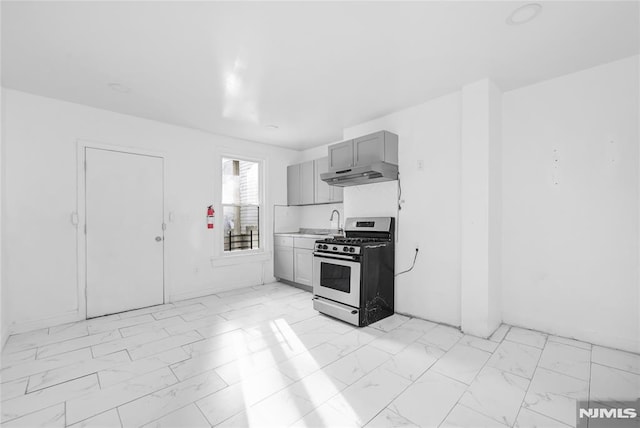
{"points": [[261, 356]]}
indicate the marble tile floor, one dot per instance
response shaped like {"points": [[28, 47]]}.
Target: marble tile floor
{"points": [[262, 357]]}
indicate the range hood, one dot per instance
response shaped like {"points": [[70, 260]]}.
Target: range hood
{"points": [[374, 173]]}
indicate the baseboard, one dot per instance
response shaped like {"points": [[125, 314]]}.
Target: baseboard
{"points": [[23, 327], [73, 316], [206, 292], [593, 337], [300, 286], [5, 336], [420, 317]]}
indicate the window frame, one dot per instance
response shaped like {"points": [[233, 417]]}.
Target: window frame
{"points": [[223, 254]]}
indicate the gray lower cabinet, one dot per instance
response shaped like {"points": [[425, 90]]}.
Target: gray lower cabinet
{"points": [[324, 193], [303, 266], [283, 257], [283, 263], [293, 258]]}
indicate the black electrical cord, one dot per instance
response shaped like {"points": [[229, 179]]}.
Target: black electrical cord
{"points": [[399, 193], [412, 265]]}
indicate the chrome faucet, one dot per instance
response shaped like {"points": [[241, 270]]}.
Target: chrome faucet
{"points": [[331, 219]]}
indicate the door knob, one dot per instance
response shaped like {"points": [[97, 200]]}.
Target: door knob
{"points": [[158, 238]]}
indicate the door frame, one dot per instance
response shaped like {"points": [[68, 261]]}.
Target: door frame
{"points": [[80, 217]]}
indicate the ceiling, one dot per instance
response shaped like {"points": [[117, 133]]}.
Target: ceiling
{"points": [[310, 68]]}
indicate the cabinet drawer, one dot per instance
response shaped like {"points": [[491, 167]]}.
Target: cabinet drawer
{"points": [[283, 241], [308, 243]]}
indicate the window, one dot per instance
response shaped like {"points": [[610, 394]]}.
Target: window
{"points": [[241, 204]]}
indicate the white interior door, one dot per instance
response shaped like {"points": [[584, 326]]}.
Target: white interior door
{"points": [[124, 236]]}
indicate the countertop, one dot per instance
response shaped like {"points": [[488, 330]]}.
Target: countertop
{"points": [[310, 233]]}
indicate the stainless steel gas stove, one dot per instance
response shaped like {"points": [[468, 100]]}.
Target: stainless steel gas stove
{"points": [[353, 277]]}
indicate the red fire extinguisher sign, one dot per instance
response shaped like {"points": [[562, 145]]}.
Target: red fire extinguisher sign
{"points": [[210, 216]]}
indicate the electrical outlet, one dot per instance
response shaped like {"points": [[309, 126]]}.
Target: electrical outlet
{"points": [[420, 164], [555, 168]]}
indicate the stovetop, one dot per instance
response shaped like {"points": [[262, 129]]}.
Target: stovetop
{"points": [[350, 241], [348, 246], [361, 232]]}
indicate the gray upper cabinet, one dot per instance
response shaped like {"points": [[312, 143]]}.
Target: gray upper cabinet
{"points": [[293, 184], [369, 149], [306, 183], [341, 156], [300, 183], [381, 146], [323, 192]]}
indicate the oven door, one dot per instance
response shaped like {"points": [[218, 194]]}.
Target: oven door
{"points": [[337, 277]]}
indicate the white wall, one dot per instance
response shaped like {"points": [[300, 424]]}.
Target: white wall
{"points": [[569, 259], [570, 250], [316, 152], [40, 259], [4, 320], [430, 214]]}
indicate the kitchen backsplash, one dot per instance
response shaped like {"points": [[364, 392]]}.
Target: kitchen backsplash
{"points": [[314, 217]]}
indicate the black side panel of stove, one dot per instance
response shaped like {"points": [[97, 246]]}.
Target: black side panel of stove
{"points": [[377, 268]]}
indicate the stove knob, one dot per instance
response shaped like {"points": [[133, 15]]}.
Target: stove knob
{"points": [[324, 247], [345, 249], [335, 248], [351, 250]]}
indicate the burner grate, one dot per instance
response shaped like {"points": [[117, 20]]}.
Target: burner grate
{"points": [[352, 241]]}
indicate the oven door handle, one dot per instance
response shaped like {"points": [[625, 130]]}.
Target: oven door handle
{"points": [[336, 256]]}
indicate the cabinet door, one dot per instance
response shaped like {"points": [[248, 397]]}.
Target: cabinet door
{"points": [[293, 184], [283, 262], [306, 183], [369, 149], [303, 266], [322, 190], [341, 156]]}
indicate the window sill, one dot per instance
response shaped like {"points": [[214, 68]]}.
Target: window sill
{"points": [[243, 258]]}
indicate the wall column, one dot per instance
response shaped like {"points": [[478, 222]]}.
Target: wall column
{"points": [[481, 208]]}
